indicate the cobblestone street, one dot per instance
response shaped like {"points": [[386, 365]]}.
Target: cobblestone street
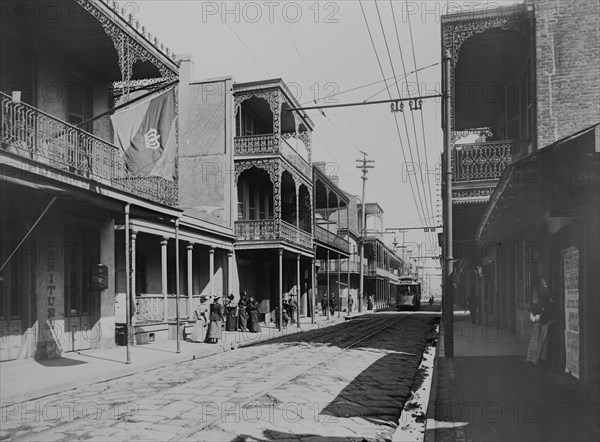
{"points": [[346, 381]]}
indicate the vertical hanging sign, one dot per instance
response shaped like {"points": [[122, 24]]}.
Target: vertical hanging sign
{"points": [[571, 284]]}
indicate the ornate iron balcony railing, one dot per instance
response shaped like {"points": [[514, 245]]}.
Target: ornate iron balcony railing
{"points": [[271, 144], [260, 230], [331, 238], [344, 266], [481, 161], [38, 136]]}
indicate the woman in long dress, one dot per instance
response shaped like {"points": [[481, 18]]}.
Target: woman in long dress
{"points": [[201, 316], [216, 319], [231, 312], [243, 314], [253, 315], [534, 338]]}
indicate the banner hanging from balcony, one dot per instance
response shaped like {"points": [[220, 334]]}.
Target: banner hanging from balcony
{"points": [[146, 134]]}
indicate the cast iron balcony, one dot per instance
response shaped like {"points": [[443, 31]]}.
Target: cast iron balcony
{"points": [[271, 144], [38, 136], [481, 161]]}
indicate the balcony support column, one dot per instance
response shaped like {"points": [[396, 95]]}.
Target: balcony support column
{"points": [[211, 271], [339, 266], [230, 262], [133, 278], [163, 274], [313, 291], [298, 290], [190, 278], [348, 280], [280, 288], [328, 286]]}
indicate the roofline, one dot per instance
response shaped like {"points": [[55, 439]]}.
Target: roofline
{"points": [[275, 82]]}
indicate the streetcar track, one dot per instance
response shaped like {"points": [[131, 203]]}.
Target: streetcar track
{"points": [[292, 346], [187, 434]]}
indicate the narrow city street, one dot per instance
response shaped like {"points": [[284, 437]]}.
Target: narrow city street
{"points": [[349, 381]]}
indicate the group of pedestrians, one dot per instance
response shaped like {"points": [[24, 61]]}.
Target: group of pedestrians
{"points": [[242, 316], [328, 301], [288, 313]]}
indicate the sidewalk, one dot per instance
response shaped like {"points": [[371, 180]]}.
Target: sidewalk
{"points": [[29, 379], [487, 392]]}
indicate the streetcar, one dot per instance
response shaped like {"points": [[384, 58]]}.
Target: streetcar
{"points": [[408, 295]]}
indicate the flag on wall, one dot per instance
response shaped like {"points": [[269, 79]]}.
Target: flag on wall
{"points": [[145, 132]]}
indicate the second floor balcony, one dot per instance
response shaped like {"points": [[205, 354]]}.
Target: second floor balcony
{"points": [[49, 142], [265, 230], [481, 161], [331, 239]]}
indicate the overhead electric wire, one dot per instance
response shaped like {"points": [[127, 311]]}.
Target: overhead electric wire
{"points": [[395, 119], [419, 93], [248, 49], [371, 84], [419, 184], [430, 203]]}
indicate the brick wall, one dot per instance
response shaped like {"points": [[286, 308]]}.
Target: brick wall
{"points": [[568, 67]]}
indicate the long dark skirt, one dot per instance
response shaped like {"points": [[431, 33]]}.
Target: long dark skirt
{"points": [[243, 322], [214, 330], [253, 324], [231, 322]]}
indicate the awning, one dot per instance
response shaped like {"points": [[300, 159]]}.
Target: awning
{"points": [[560, 181]]}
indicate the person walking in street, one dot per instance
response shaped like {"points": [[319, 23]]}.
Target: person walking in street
{"points": [[243, 313], [332, 305], [231, 312], [350, 303], [216, 321], [370, 302], [324, 304], [431, 301], [253, 324]]}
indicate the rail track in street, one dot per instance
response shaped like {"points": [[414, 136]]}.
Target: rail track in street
{"points": [[169, 403]]}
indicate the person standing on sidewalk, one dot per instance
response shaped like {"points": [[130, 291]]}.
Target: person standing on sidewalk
{"points": [[253, 306], [243, 313], [534, 337], [324, 304], [231, 312], [216, 320], [472, 306], [350, 303]]}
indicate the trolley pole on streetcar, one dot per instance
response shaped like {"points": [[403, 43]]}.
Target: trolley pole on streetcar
{"points": [[365, 165]]}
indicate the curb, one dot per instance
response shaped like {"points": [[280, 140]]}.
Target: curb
{"points": [[415, 414]]}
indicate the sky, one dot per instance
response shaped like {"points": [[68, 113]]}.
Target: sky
{"points": [[324, 51]]}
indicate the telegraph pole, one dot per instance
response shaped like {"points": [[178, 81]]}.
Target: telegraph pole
{"points": [[447, 276], [365, 165]]}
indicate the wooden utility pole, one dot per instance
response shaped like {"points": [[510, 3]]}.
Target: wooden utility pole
{"points": [[365, 165]]}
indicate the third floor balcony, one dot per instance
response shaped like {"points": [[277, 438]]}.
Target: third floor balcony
{"points": [[266, 126]]}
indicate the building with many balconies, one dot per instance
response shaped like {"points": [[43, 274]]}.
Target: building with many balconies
{"points": [[525, 85], [82, 230], [273, 173]]}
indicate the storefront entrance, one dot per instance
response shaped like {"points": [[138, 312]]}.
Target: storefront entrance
{"points": [[81, 253]]}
